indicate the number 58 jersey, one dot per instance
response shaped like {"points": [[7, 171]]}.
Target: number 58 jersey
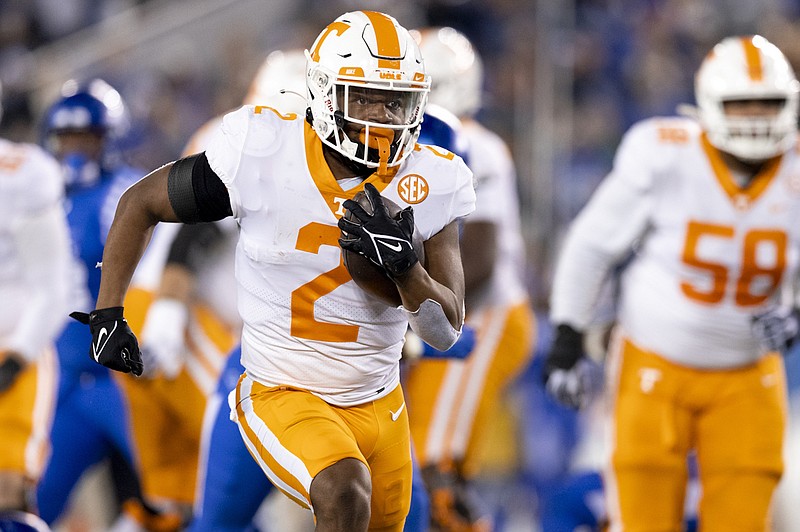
{"points": [[707, 253], [306, 323]]}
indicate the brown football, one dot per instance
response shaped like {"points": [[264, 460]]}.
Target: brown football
{"points": [[368, 276]]}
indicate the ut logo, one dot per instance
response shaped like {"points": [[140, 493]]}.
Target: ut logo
{"points": [[390, 75], [340, 210], [412, 188], [648, 377]]}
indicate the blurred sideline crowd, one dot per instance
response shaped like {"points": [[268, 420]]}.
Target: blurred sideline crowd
{"points": [[619, 60]]}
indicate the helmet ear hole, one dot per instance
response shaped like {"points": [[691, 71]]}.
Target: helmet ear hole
{"points": [[338, 117]]}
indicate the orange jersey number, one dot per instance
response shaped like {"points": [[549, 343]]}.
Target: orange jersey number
{"points": [[752, 273], [304, 325]]}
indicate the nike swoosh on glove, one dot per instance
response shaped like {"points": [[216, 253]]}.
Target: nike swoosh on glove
{"points": [[384, 240], [776, 328], [566, 377], [113, 343]]}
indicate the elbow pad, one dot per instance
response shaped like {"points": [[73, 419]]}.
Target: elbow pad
{"points": [[432, 326]]}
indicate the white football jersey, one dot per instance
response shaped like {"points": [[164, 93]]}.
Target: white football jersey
{"points": [[306, 323], [707, 253], [35, 257], [497, 203]]}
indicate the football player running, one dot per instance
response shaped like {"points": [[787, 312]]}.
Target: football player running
{"points": [[320, 406], [709, 206], [231, 485], [35, 262], [452, 401]]}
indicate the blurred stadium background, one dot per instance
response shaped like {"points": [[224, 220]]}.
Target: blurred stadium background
{"points": [[564, 79]]}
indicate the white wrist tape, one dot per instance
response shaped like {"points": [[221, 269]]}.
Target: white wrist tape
{"points": [[432, 326]]}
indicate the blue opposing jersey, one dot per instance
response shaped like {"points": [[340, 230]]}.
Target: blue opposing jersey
{"points": [[90, 211], [442, 128]]}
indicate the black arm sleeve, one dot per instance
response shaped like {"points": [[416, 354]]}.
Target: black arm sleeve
{"points": [[196, 193], [192, 243]]}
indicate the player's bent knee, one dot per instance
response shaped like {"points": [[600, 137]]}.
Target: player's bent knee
{"points": [[340, 495]]}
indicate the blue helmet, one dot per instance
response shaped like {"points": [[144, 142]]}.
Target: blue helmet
{"points": [[442, 128], [93, 107]]}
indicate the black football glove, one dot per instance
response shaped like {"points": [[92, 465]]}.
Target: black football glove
{"points": [[113, 343], [384, 240], [9, 371], [566, 377], [776, 328]]}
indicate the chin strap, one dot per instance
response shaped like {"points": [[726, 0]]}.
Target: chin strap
{"points": [[379, 139]]}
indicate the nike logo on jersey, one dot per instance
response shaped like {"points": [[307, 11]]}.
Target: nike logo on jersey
{"points": [[101, 344], [396, 415]]}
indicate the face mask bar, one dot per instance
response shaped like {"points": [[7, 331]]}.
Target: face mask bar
{"points": [[752, 137], [375, 144]]}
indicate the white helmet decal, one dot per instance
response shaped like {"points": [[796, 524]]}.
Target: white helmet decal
{"points": [[747, 68], [365, 54]]}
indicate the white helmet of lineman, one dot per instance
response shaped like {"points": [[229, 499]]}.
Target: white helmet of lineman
{"points": [[281, 82], [455, 68], [747, 68], [366, 50]]}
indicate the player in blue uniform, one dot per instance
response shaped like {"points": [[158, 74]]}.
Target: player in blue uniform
{"points": [[90, 424]]}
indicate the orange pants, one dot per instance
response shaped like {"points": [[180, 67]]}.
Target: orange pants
{"points": [[293, 435], [26, 415], [167, 415], [451, 400], [733, 419]]}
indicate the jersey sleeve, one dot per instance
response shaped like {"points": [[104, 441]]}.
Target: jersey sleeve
{"points": [[245, 137], [451, 196], [605, 231], [464, 197]]}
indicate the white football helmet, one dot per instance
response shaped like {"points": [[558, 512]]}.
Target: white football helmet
{"points": [[281, 82], [747, 68], [360, 57], [455, 68]]}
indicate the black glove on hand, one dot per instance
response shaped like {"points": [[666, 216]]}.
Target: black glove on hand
{"points": [[9, 370], [384, 240], [565, 377], [113, 343], [776, 328]]}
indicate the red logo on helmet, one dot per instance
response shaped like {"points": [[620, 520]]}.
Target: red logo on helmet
{"points": [[412, 188]]}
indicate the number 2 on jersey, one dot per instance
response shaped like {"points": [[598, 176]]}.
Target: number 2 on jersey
{"points": [[304, 325], [751, 270]]}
